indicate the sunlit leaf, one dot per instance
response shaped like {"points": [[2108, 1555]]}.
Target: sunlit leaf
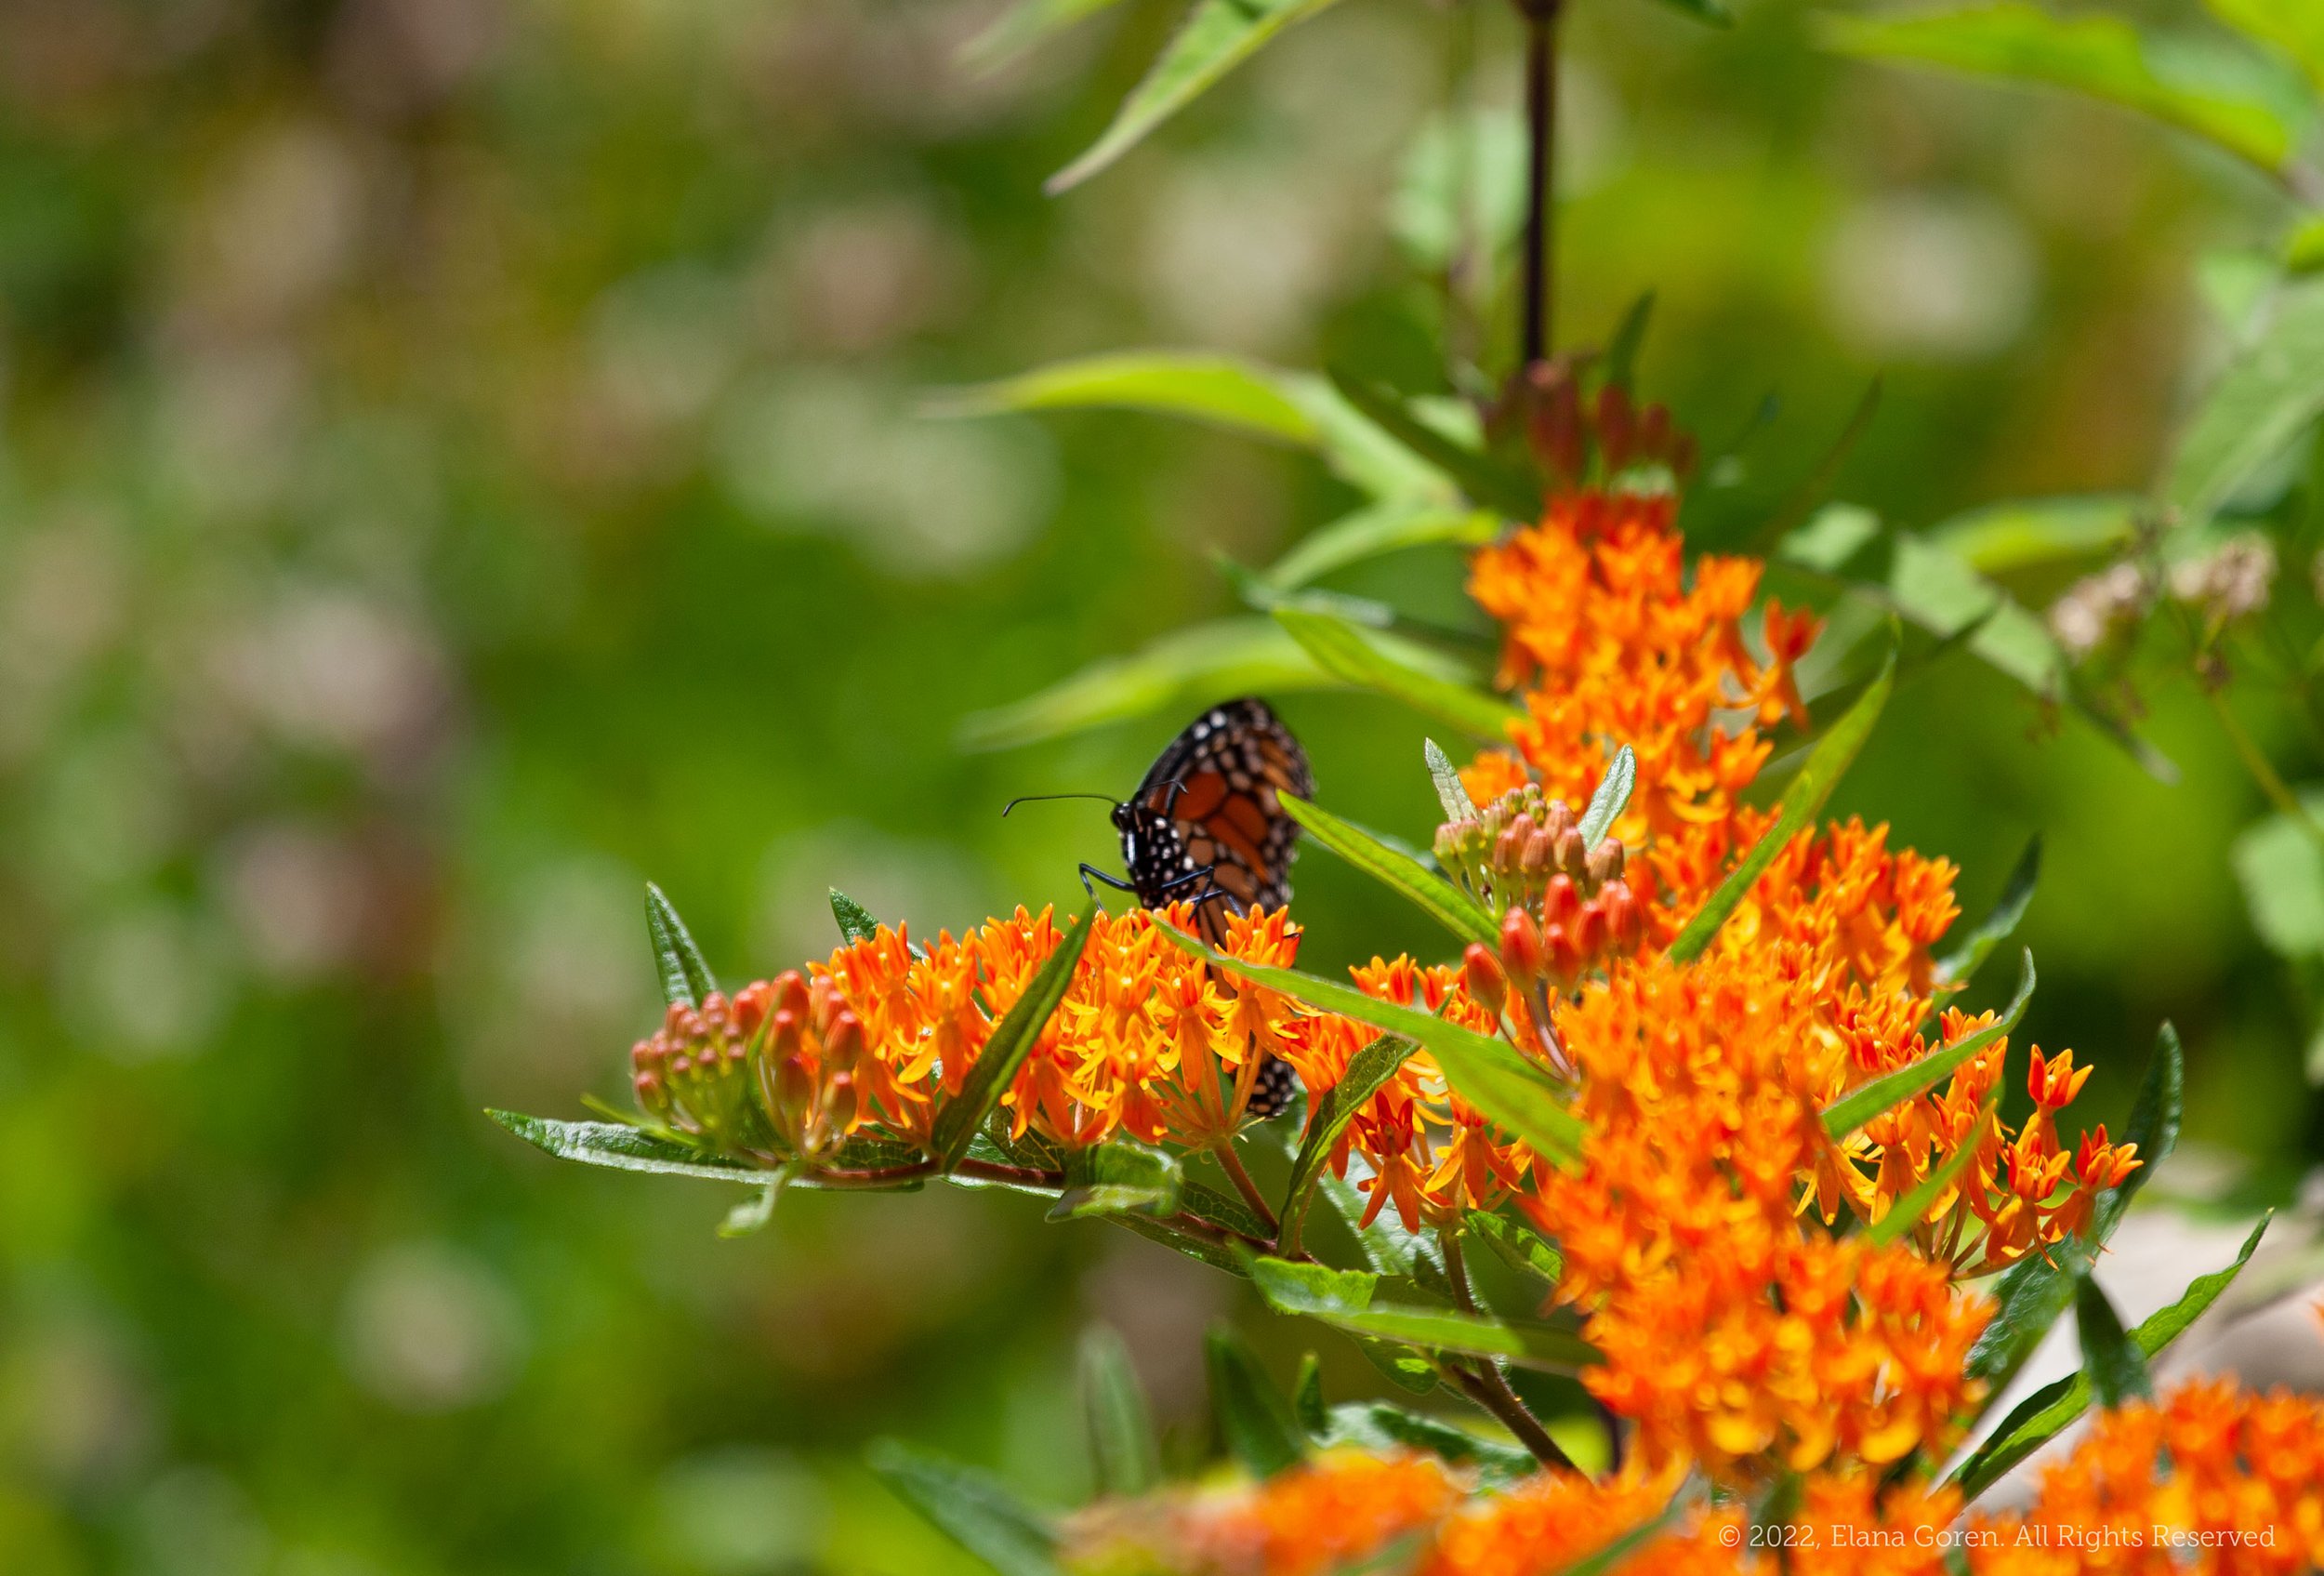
{"points": [[1124, 1456], [1800, 805], [970, 1508], [2296, 27], [1244, 396], [2103, 56], [1382, 1426], [1119, 1178], [1492, 1075], [2039, 533], [1344, 1299], [1452, 794], [857, 924], [2050, 1409], [1371, 532], [1348, 653], [2271, 391], [1483, 480], [1261, 1432], [618, 1147], [1218, 36], [1959, 965], [685, 976], [1011, 1040], [1182, 671], [2281, 870], [1890, 1089], [1519, 1247], [1431, 893], [1610, 799], [1366, 1072]]}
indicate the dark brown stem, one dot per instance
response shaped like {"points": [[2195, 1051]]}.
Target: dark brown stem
{"points": [[1232, 1163], [1541, 260], [1484, 1383]]}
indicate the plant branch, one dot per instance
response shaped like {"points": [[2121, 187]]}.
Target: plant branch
{"points": [[1483, 1385], [2279, 792], [1232, 1163], [1539, 277]]}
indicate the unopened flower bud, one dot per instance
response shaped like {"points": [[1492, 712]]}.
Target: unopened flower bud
{"points": [[1618, 427], [1573, 854], [1605, 863], [1560, 899], [1522, 958], [1482, 977]]}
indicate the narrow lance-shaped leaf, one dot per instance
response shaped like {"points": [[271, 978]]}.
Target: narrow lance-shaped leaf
{"points": [[1492, 1075], [1261, 1432], [1381, 528], [2117, 1368], [1345, 1300], [2049, 1410], [1911, 1209], [1218, 36], [1517, 1246], [685, 976], [967, 1507], [2100, 56], [2154, 1127], [2271, 391], [1244, 396], [1123, 1453], [1345, 652], [1890, 1089], [1486, 481], [1366, 1071], [1451, 792], [1117, 1178], [1011, 1040], [1621, 351], [1435, 897], [619, 1147], [1611, 797], [1800, 802], [1958, 966], [856, 925], [1023, 27]]}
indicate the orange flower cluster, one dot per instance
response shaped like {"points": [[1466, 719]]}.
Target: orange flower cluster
{"points": [[1427, 1149], [1734, 1336], [1149, 1040], [1614, 643]]}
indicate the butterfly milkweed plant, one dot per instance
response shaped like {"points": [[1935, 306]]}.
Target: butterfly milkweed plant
{"points": [[1673, 1191]]}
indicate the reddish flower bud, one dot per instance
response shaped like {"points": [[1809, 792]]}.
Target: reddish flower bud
{"points": [[1618, 427], [1482, 977], [1523, 955], [1560, 901], [1605, 863]]}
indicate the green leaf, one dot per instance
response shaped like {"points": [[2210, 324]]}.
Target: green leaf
{"points": [[1307, 1396], [1182, 671], [1366, 1071], [685, 978], [1218, 36], [1517, 1246], [1621, 351], [1119, 1178], [2271, 393], [1023, 28], [1492, 1075], [618, 1147], [1958, 966], [1806, 498], [1435, 897], [1381, 1426], [2154, 1127], [1392, 1252], [967, 1507], [1911, 1209], [1011, 1040], [2047, 1412], [1451, 792], [1485, 481], [857, 924], [1345, 652], [752, 1215], [2100, 56], [2282, 871], [1225, 1211], [2296, 27], [1343, 1299], [1610, 799], [2040, 533], [1890, 1089], [1123, 1452], [1202, 1250], [1800, 801], [1259, 1430], [1243, 396], [1379, 529], [2116, 1367]]}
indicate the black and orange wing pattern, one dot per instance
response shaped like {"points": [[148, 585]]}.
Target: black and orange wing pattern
{"points": [[1208, 818]]}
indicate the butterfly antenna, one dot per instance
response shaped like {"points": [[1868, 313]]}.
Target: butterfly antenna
{"points": [[1038, 798]]}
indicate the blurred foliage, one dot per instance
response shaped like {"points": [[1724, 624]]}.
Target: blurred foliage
{"points": [[460, 458]]}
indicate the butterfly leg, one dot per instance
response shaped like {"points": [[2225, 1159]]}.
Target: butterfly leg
{"points": [[1090, 873]]}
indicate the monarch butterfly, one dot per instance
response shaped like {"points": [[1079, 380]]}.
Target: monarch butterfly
{"points": [[1206, 825]]}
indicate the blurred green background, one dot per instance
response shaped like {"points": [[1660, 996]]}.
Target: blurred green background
{"points": [[463, 457]]}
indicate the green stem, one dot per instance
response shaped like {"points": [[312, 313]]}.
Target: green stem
{"points": [[2279, 792], [1484, 1383]]}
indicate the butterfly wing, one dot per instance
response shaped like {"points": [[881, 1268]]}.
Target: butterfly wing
{"points": [[1217, 788]]}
